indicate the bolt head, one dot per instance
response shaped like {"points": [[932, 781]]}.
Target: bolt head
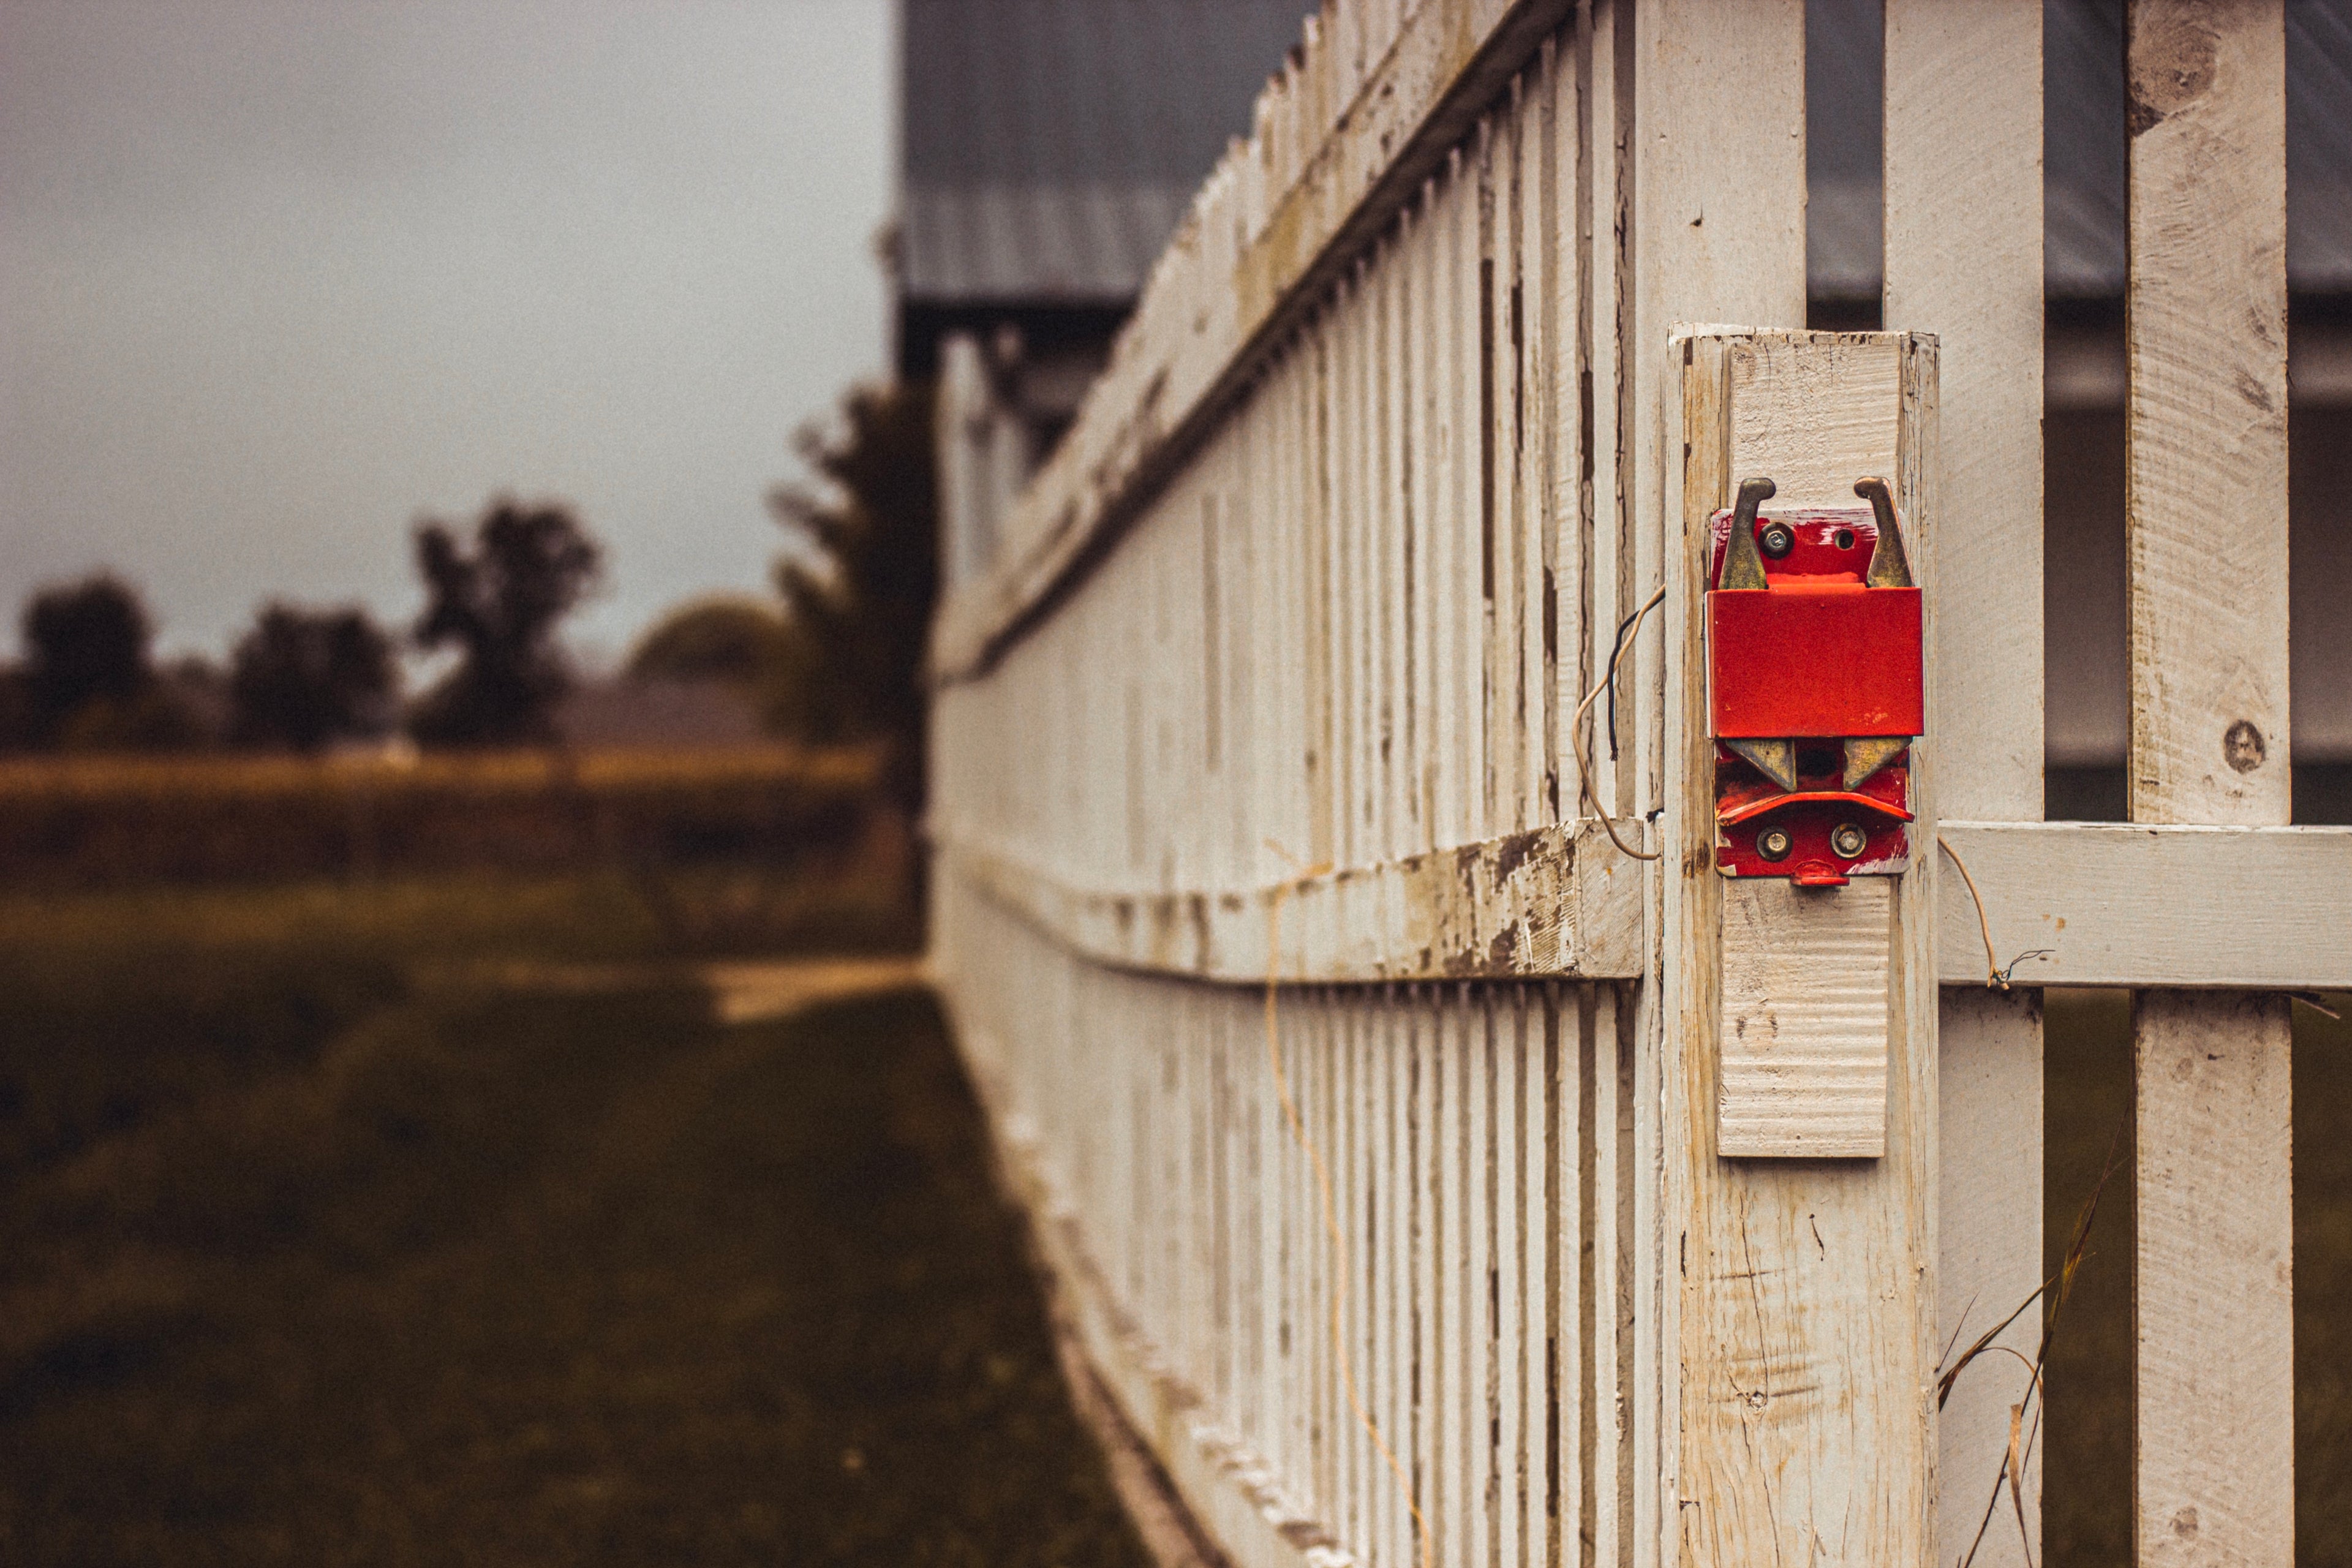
{"points": [[1776, 540], [1849, 840], [1774, 843]]}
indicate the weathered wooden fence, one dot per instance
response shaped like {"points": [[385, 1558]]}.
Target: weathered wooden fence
{"points": [[1277, 668]]}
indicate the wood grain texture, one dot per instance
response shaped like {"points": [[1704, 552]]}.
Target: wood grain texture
{"points": [[1709, 218], [1962, 232], [2110, 904], [1805, 1292], [1963, 246], [1550, 901], [1806, 973], [2206, 550], [2205, 445], [2214, 1307]]}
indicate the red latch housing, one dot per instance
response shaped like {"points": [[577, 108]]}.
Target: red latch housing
{"points": [[1815, 688], [1812, 657]]}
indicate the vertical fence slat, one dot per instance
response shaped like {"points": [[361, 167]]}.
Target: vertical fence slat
{"points": [[1510, 1057], [2205, 469], [1715, 226], [1803, 1284], [1963, 233], [1444, 516]]}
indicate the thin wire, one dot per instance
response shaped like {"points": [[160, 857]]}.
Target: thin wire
{"points": [[1625, 635], [1615, 649], [1996, 977], [1331, 1207]]}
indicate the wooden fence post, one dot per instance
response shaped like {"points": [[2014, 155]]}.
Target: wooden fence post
{"points": [[1806, 1290], [2206, 542]]}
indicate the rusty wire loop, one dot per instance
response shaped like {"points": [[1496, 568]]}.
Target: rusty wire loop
{"points": [[1625, 635]]}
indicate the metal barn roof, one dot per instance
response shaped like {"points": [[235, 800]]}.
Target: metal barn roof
{"points": [[1051, 146]]}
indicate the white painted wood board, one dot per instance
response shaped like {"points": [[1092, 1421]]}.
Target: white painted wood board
{"points": [[2214, 1304], [1549, 901], [1963, 235], [1707, 217], [1963, 231], [1806, 977], [1990, 1051], [2205, 546], [2117, 904], [2205, 413]]}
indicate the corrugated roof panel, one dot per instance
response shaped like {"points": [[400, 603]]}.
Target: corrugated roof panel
{"points": [[1050, 146], [1081, 245]]}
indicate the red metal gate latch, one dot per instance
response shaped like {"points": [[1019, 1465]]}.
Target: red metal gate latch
{"points": [[1814, 687]]}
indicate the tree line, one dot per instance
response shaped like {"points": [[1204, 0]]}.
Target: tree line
{"points": [[303, 678], [838, 660]]}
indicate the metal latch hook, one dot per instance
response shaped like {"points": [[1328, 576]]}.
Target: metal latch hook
{"points": [[1890, 567]]}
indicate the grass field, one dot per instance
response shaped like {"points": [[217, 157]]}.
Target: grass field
{"points": [[316, 1247], [322, 1241], [76, 821]]}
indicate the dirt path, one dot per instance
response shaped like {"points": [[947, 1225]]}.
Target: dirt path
{"points": [[749, 992]]}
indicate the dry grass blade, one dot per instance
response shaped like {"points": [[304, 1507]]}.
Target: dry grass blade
{"points": [[2021, 1435], [2015, 1464]]}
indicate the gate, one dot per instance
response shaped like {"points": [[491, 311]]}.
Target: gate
{"points": [[1440, 1157]]}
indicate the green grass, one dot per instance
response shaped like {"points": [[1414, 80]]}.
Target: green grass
{"points": [[123, 1004], [311, 1262]]}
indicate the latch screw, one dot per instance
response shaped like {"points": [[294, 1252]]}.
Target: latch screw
{"points": [[1776, 540], [1849, 840], [1774, 843]]}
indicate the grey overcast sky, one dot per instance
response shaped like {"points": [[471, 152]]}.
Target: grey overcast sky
{"points": [[277, 277]]}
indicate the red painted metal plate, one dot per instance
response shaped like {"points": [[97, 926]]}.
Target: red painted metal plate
{"points": [[1747, 803], [1814, 658]]}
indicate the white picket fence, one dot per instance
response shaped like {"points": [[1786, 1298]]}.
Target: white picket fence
{"points": [[1273, 669]]}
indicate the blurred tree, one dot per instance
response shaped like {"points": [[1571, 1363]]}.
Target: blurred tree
{"points": [[858, 592], [303, 679], [721, 639], [88, 682], [19, 728], [498, 604], [84, 642]]}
